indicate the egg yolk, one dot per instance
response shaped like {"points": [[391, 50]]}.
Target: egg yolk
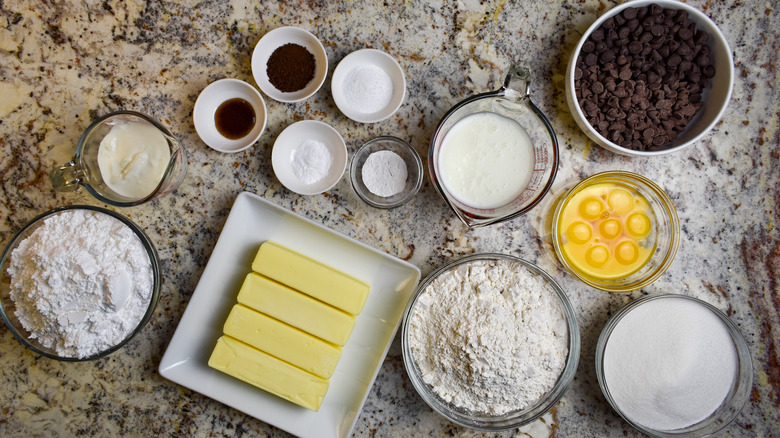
{"points": [[591, 208], [606, 231], [610, 228], [638, 224], [579, 232]]}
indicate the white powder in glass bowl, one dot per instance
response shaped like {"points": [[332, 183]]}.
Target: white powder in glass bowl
{"points": [[81, 282], [489, 337]]}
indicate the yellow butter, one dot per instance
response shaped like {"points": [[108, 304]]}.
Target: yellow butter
{"points": [[311, 277], [268, 373], [283, 341], [296, 309]]}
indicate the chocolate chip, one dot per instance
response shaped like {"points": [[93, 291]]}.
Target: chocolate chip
{"points": [[588, 46]]}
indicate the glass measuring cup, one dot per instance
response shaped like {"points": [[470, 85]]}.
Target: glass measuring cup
{"points": [[512, 101], [84, 170]]}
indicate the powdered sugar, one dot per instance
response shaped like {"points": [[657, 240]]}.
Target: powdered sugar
{"points": [[384, 173], [311, 161], [81, 282], [489, 336]]}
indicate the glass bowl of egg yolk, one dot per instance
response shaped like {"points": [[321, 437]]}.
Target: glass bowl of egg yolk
{"points": [[616, 231]]}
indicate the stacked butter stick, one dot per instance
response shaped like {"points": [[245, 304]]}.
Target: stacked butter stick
{"points": [[294, 314]]}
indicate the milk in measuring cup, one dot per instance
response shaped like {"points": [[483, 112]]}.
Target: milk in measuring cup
{"points": [[486, 160]]}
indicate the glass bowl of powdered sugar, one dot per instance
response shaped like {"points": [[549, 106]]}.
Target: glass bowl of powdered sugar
{"points": [[386, 172], [490, 341], [78, 282]]}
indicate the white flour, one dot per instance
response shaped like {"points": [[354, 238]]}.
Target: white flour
{"points": [[489, 337], [81, 282], [384, 173]]}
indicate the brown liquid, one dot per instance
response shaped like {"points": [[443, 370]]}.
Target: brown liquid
{"points": [[235, 118]]}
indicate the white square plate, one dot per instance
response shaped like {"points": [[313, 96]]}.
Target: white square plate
{"points": [[252, 221]]}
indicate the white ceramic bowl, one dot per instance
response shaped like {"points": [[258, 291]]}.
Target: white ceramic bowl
{"points": [[716, 98], [368, 57], [291, 138], [206, 106], [277, 38]]}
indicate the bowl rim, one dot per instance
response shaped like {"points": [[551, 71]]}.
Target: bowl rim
{"points": [[573, 103], [672, 217], [486, 423], [353, 171], [741, 387], [153, 259], [200, 112]]}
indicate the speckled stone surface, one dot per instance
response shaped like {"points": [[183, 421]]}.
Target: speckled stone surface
{"points": [[64, 63]]}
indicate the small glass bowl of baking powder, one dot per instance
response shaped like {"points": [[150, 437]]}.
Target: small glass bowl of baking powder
{"points": [[458, 330], [118, 227], [386, 172], [674, 366]]}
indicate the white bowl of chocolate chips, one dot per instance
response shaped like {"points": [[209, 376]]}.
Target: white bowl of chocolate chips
{"points": [[649, 78]]}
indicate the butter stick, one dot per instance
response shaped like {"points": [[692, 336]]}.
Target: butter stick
{"points": [[280, 340], [311, 277], [268, 373], [296, 309]]}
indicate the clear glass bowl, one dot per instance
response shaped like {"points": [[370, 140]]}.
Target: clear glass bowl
{"points": [[481, 421], [414, 169], [666, 228], [732, 404], [8, 307]]}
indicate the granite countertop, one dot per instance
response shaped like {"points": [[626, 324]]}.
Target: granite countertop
{"points": [[65, 63]]}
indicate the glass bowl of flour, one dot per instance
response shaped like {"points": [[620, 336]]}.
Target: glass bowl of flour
{"points": [[78, 282], [490, 341]]}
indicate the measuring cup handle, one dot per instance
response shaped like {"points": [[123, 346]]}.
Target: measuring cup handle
{"points": [[66, 178], [517, 83]]}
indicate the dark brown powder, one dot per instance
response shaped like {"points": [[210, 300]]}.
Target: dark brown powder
{"points": [[290, 68]]}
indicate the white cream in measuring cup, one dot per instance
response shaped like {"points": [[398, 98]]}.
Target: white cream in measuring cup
{"points": [[486, 160], [133, 158]]}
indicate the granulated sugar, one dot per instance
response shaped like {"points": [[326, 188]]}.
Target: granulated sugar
{"points": [[81, 282], [669, 363], [489, 336]]}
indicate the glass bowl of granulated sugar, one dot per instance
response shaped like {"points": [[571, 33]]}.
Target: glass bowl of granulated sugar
{"points": [[78, 282], [490, 341]]}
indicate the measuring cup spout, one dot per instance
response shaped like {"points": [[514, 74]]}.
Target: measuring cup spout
{"points": [[67, 178]]}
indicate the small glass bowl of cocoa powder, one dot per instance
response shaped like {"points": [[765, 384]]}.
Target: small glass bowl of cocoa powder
{"points": [[649, 77]]}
